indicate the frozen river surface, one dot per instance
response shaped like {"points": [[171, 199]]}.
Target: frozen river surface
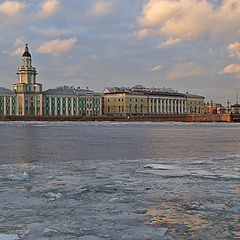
{"points": [[119, 181]]}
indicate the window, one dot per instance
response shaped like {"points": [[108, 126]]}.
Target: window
{"points": [[136, 108]]}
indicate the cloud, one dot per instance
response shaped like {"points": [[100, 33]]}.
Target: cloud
{"points": [[18, 42], [234, 49], [169, 42], [93, 56], [11, 8], [13, 53], [47, 9], [101, 8], [231, 69], [141, 33], [178, 20], [55, 47], [158, 67], [185, 70]]}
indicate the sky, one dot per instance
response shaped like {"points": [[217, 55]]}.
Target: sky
{"points": [[188, 45]]}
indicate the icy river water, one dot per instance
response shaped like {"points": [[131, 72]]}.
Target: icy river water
{"points": [[108, 180]]}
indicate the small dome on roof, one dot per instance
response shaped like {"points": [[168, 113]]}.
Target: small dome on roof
{"points": [[26, 53]]}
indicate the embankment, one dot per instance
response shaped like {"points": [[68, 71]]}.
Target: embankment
{"points": [[155, 118]]}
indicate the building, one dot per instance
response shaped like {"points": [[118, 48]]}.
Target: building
{"points": [[144, 101], [194, 104], [235, 109], [28, 98], [215, 108]]}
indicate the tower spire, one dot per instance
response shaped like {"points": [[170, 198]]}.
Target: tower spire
{"points": [[26, 53]]}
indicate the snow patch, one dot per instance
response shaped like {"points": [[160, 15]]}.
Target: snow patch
{"points": [[161, 167], [4, 236]]}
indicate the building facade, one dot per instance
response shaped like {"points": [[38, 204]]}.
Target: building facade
{"points": [[127, 102], [28, 98]]}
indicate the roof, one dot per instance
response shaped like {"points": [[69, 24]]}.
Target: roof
{"points": [[68, 91], [26, 53], [5, 90], [193, 96], [147, 93], [236, 105]]}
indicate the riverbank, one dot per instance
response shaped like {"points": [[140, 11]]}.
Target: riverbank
{"points": [[155, 118]]}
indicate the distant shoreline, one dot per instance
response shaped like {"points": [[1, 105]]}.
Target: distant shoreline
{"points": [[156, 118]]}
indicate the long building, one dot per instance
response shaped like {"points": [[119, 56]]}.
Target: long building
{"points": [[142, 101], [28, 99]]}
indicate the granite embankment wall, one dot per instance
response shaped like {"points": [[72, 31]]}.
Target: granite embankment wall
{"points": [[157, 118]]}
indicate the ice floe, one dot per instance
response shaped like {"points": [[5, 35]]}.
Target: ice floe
{"points": [[161, 167], [4, 236]]}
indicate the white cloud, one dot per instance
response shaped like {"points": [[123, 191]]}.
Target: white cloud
{"points": [[158, 67], [101, 8], [188, 19], [13, 53], [18, 42], [231, 69], [169, 42], [185, 70], [11, 8], [47, 9], [234, 49], [17, 52], [55, 47]]}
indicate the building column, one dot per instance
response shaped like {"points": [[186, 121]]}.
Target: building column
{"points": [[160, 105], [72, 107], [149, 107], [175, 106], [41, 105], [182, 102], [4, 106], [77, 112], [10, 106], [50, 106], [153, 106], [157, 106], [35, 104], [66, 106], [55, 106], [24, 110], [61, 106], [185, 106], [179, 106]]}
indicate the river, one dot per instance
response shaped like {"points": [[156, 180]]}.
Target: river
{"points": [[109, 180]]}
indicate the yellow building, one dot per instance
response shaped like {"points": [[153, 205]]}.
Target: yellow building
{"points": [[195, 104], [144, 102]]}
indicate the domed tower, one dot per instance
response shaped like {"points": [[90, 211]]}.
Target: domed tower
{"points": [[27, 75], [29, 92]]}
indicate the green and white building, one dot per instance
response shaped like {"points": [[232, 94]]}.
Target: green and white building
{"points": [[28, 99]]}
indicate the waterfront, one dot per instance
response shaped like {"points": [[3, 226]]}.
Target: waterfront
{"points": [[106, 180]]}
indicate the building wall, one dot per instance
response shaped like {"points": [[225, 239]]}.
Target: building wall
{"points": [[195, 105], [127, 104], [7, 104], [28, 104], [72, 105]]}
